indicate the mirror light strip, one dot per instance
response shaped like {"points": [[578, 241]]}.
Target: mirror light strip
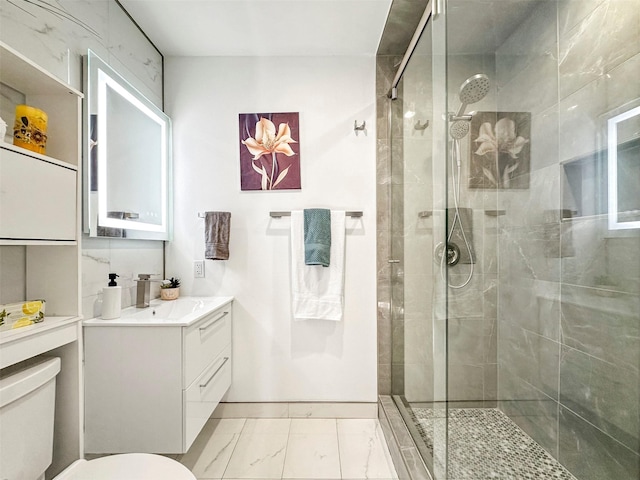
{"points": [[612, 169], [105, 82]]}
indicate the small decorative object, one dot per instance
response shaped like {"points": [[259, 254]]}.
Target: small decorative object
{"points": [[170, 289], [30, 129], [3, 129], [500, 150], [22, 314], [269, 156]]}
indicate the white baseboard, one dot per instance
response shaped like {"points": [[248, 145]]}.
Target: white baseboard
{"points": [[296, 410]]}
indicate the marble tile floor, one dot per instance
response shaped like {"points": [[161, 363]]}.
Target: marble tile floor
{"points": [[290, 448]]}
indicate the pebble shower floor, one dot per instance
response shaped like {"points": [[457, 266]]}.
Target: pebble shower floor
{"points": [[485, 444]]}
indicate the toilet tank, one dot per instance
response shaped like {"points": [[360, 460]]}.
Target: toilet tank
{"points": [[27, 404]]}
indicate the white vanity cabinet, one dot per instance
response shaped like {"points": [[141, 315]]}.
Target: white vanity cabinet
{"points": [[152, 383]]}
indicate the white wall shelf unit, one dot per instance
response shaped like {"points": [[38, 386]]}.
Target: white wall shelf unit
{"points": [[40, 211]]}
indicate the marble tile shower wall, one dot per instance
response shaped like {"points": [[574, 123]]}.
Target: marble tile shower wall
{"points": [[569, 347], [472, 310], [385, 71], [405, 178], [401, 22], [57, 43], [415, 235]]}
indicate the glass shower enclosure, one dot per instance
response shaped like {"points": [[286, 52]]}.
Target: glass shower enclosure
{"points": [[515, 224]]}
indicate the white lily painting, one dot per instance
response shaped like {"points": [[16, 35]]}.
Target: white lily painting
{"points": [[269, 151], [500, 150]]}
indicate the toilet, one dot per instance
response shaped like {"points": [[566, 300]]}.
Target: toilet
{"points": [[27, 401], [129, 466]]}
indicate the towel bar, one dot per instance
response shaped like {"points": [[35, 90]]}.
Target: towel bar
{"points": [[288, 214]]}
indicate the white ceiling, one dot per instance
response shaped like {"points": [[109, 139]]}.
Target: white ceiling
{"points": [[261, 27]]}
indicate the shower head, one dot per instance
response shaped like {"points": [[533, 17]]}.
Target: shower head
{"points": [[472, 90], [459, 129]]}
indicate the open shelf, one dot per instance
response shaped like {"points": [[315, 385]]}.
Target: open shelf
{"points": [[38, 156], [25, 76]]}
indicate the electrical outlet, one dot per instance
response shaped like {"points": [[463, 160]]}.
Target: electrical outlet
{"points": [[198, 269]]}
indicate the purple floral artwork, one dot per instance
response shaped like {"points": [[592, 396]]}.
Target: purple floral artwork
{"points": [[269, 151]]}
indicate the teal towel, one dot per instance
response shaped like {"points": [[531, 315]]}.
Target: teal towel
{"points": [[317, 236]]}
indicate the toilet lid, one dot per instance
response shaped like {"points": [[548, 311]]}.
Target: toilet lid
{"points": [[128, 466]]}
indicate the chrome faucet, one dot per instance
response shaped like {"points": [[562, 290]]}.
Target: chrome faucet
{"points": [[143, 290]]}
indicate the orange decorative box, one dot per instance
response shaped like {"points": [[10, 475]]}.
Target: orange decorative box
{"points": [[30, 129]]}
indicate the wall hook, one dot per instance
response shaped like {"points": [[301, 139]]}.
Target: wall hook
{"points": [[423, 127], [360, 128]]}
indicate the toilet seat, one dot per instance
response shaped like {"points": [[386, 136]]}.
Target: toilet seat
{"points": [[127, 466]]}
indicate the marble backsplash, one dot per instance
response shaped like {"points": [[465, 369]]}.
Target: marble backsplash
{"points": [[56, 37]]}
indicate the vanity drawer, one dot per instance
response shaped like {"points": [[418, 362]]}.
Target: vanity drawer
{"points": [[203, 395], [204, 341]]}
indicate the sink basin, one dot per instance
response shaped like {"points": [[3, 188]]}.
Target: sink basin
{"points": [[182, 311], [174, 309]]}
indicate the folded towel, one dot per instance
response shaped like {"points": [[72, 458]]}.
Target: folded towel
{"points": [[317, 293], [216, 235], [317, 236]]}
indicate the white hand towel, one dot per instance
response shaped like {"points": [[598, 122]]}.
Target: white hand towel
{"points": [[317, 291]]}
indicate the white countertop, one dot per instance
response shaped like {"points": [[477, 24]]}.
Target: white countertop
{"points": [[169, 313], [22, 343], [7, 334]]}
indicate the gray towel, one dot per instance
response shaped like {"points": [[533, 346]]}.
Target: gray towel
{"points": [[216, 235], [317, 236]]}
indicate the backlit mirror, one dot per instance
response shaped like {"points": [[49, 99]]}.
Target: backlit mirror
{"points": [[127, 159], [623, 162]]}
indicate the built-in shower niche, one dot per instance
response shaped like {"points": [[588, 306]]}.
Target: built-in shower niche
{"points": [[586, 180]]}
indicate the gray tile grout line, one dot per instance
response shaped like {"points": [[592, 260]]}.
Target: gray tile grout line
{"points": [[339, 455], [286, 447], [234, 446]]}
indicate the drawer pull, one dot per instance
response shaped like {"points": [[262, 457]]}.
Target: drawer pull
{"points": [[215, 373], [224, 314]]}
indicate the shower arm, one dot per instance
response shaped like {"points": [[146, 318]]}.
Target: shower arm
{"points": [[458, 117], [460, 114], [463, 107]]}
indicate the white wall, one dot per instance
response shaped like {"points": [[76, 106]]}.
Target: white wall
{"points": [[275, 358]]}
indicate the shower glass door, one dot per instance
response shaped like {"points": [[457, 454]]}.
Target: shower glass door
{"points": [[543, 305], [515, 220], [419, 220]]}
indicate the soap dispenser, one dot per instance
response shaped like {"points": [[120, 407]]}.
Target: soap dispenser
{"points": [[111, 299]]}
